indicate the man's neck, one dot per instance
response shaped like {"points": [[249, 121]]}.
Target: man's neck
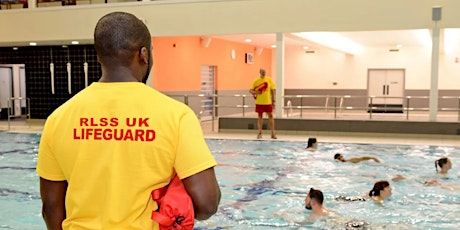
{"points": [[319, 210], [120, 74]]}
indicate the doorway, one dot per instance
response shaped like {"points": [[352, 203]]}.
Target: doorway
{"points": [[208, 75], [387, 88]]}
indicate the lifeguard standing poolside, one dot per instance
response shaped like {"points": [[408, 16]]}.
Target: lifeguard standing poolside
{"points": [[263, 90], [106, 149]]}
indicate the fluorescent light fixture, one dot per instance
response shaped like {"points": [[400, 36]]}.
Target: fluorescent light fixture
{"points": [[248, 40], [451, 40], [306, 47], [332, 40], [75, 42], [33, 43], [273, 46]]}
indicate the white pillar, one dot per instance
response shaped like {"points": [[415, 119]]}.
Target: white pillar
{"points": [[433, 104], [279, 75], [31, 4]]}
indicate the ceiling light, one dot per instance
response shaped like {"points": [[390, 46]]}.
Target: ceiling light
{"points": [[273, 46], [33, 43], [333, 41], [248, 40], [15, 48], [398, 46], [75, 42], [306, 47]]}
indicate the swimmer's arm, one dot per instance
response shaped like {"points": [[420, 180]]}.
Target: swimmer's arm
{"points": [[363, 158], [450, 187], [398, 177], [53, 202]]}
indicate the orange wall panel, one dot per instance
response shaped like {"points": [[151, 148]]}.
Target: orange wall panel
{"points": [[177, 63]]}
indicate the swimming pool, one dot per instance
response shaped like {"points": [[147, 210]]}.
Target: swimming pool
{"points": [[264, 183]]}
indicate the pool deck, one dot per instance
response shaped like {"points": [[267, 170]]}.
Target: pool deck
{"points": [[212, 131]]}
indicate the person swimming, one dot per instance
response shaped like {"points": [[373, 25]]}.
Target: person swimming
{"points": [[312, 144], [314, 201], [380, 191], [437, 183], [340, 158], [444, 164]]}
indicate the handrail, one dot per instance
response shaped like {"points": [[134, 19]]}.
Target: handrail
{"points": [[11, 103], [338, 105], [289, 107]]}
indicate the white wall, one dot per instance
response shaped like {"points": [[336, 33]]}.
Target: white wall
{"points": [[320, 69], [449, 71]]}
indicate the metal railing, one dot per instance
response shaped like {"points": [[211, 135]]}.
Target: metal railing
{"points": [[302, 103], [17, 100]]}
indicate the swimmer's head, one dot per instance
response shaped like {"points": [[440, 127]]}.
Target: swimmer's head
{"points": [[381, 188], [312, 143], [339, 157], [444, 163], [315, 196]]}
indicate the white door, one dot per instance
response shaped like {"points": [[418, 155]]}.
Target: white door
{"points": [[395, 87], [385, 84], [376, 86], [208, 74], [6, 86]]}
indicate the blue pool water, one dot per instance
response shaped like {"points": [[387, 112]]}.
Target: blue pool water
{"points": [[264, 184]]}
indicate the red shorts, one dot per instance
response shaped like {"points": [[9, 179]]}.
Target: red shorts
{"points": [[264, 108]]}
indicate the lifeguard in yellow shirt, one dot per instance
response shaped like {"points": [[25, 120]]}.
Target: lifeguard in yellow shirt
{"points": [[106, 149], [263, 91]]}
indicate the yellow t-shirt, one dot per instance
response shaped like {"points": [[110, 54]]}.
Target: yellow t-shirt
{"points": [[265, 85], [114, 143]]}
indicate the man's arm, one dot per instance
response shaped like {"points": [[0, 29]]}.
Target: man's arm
{"points": [[53, 202], [205, 193], [364, 158]]}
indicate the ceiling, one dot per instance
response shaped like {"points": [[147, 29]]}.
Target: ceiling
{"points": [[387, 39]]}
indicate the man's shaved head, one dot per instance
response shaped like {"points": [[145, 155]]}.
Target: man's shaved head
{"points": [[118, 37]]}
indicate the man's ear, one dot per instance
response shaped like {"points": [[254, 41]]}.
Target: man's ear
{"points": [[144, 55]]}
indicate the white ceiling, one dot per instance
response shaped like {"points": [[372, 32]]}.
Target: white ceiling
{"points": [[387, 39]]}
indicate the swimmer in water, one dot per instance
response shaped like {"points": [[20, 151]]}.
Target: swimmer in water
{"points": [[314, 201], [444, 164], [340, 158], [312, 144], [380, 191]]}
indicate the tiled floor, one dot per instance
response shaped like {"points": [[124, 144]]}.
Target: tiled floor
{"points": [[36, 126]]}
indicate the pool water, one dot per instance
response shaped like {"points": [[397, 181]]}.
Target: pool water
{"points": [[264, 184]]}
